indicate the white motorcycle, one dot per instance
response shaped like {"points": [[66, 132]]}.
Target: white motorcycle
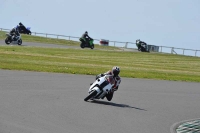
{"points": [[9, 39], [100, 87]]}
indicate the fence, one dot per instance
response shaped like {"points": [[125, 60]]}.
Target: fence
{"points": [[127, 45]]}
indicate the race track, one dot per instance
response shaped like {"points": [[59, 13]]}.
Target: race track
{"points": [[2, 43], [37, 102], [31, 44]]}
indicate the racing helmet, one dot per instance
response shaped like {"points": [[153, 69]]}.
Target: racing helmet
{"points": [[115, 71], [86, 32]]}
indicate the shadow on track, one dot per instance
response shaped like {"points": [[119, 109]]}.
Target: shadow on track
{"points": [[115, 104]]}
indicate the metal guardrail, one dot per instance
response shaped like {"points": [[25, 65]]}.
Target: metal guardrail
{"points": [[129, 45]]}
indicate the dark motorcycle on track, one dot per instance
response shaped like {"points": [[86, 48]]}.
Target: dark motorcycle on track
{"points": [[13, 39], [88, 42], [142, 46], [24, 30]]}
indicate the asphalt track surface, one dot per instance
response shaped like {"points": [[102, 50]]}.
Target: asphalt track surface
{"points": [[37, 102], [31, 44]]}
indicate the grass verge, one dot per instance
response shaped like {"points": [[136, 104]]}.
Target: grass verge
{"points": [[92, 62]]}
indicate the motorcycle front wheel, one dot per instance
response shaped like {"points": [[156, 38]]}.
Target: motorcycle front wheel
{"points": [[19, 42], [92, 94], [92, 47]]}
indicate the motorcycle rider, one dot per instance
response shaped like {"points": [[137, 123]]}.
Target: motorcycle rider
{"points": [[14, 32], [140, 43], [115, 73], [21, 27], [85, 37]]}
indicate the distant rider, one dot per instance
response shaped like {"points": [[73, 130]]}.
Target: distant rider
{"points": [[85, 36], [20, 24], [140, 43], [22, 27], [14, 32], [115, 73]]}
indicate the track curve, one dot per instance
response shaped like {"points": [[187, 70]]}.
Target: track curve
{"points": [[39, 45], [47, 102]]}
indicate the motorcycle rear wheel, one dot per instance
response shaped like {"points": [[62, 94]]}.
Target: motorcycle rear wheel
{"points": [[90, 95], [7, 41], [82, 45]]}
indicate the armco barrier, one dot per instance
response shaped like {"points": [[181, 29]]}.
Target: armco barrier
{"points": [[129, 45]]}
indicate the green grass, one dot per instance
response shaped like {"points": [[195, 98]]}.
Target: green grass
{"points": [[92, 62]]}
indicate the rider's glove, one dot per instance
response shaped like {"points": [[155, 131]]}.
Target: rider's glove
{"points": [[102, 75]]}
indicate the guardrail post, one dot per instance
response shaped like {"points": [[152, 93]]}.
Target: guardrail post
{"points": [[57, 36], [183, 51], [151, 48], [196, 53], [172, 50], [46, 35], [161, 49], [126, 44], [114, 44], [69, 37]]}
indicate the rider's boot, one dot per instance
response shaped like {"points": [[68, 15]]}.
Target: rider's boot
{"points": [[13, 37], [103, 97]]}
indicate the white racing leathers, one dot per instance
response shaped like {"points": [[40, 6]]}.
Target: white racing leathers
{"points": [[100, 87]]}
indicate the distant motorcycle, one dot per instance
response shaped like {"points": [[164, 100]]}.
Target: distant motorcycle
{"points": [[142, 47], [87, 43], [100, 87], [9, 39], [24, 30]]}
